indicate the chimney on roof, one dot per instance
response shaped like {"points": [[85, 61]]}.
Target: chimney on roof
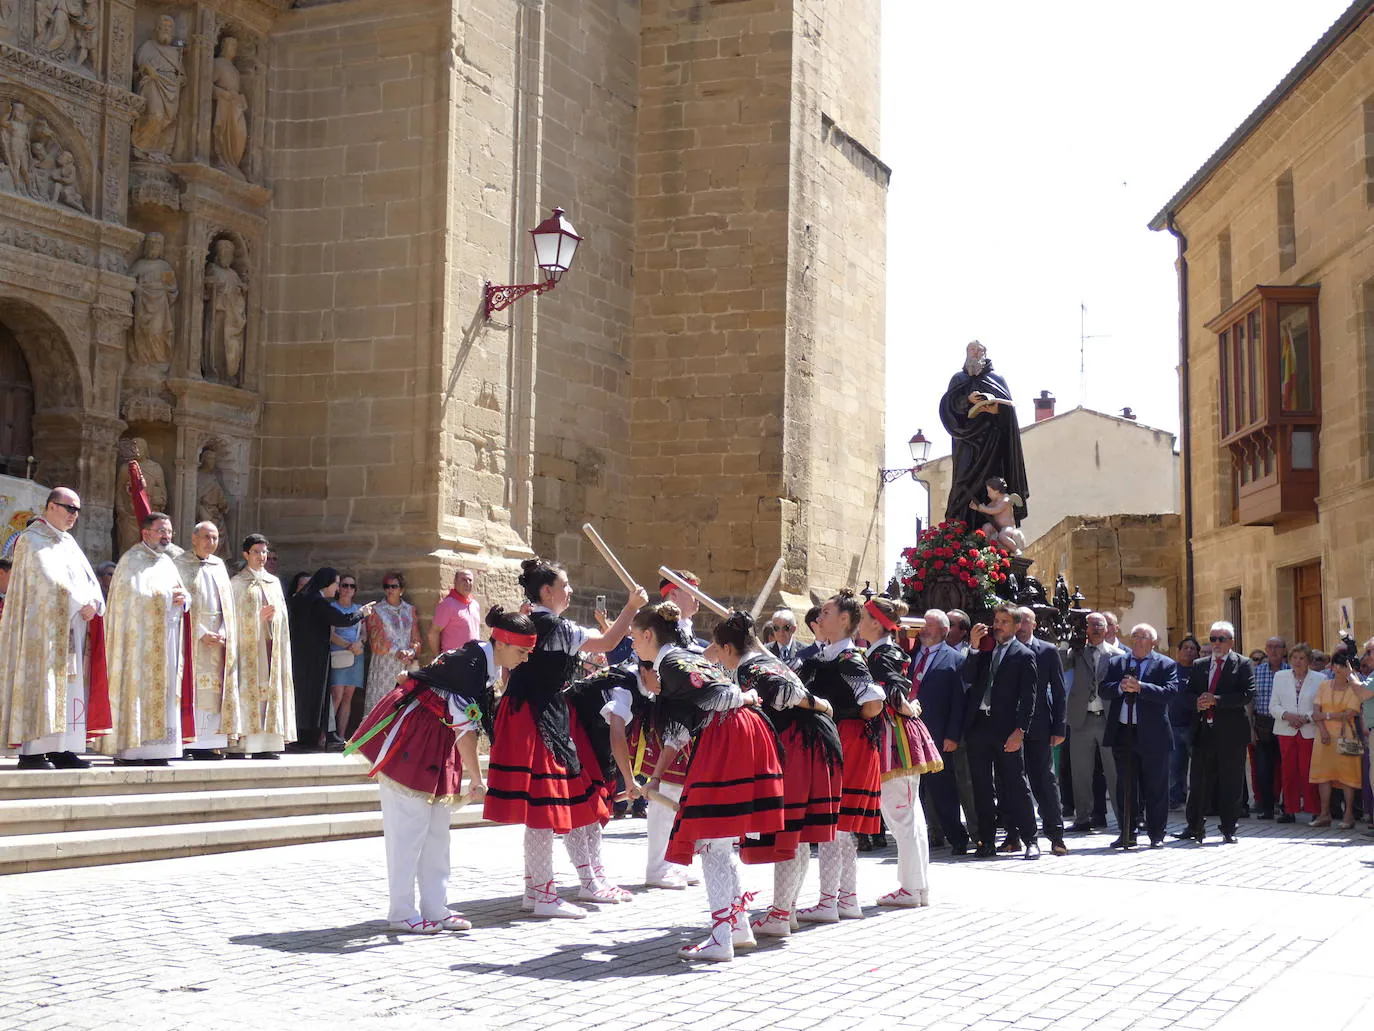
{"points": [[1127, 414], [1044, 406]]}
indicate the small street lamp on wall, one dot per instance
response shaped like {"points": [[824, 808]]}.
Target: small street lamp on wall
{"points": [[555, 244], [920, 451]]}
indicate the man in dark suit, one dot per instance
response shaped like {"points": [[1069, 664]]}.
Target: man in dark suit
{"points": [[937, 684], [1223, 686], [1046, 731], [784, 643], [999, 706], [1138, 688]]}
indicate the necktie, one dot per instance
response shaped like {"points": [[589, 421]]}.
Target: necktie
{"points": [[1131, 699], [993, 663], [919, 672], [1091, 655], [1212, 688]]}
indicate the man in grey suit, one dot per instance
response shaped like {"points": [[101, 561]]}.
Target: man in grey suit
{"points": [[1087, 718]]}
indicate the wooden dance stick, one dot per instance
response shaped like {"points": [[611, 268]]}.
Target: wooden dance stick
{"points": [[610, 558], [695, 592], [660, 798], [762, 599]]}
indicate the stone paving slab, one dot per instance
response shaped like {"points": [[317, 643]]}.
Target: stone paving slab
{"points": [[1181, 937]]}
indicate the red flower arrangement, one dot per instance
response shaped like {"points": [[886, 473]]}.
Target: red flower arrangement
{"points": [[951, 551]]}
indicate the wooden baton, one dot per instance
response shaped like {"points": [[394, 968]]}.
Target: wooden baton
{"points": [[660, 798], [762, 599], [695, 592], [610, 558]]}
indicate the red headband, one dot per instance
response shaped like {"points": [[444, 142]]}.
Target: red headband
{"points": [[668, 587], [511, 637], [884, 620]]}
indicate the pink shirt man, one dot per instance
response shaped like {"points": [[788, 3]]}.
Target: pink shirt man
{"points": [[458, 618]]}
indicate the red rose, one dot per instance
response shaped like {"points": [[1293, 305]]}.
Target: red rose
{"points": [[963, 561], [981, 564], [938, 564], [1001, 578], [979, 533], [919, 585], [972, 552]]}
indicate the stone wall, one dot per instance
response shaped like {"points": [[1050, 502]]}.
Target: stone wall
{"points": [[1321, 133], [1122, 564]]}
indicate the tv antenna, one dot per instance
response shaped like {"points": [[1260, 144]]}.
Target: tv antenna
{"points": [[1083, 338]]}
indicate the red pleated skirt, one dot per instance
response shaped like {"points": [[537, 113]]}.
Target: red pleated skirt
{"points": [[423, 754], [859, 801], [734, 784], [526, 784], [810, 803]]}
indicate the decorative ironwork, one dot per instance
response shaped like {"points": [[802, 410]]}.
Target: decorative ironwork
{"points": [[499, 298], [892, 475]]}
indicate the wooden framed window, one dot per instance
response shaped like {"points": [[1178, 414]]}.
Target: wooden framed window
{"points": [[1270, 387]]}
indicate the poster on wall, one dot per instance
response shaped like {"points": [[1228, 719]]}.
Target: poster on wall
{"points": [[1345, 617], [20, 501]]}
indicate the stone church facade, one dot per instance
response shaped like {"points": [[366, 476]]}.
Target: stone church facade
{"points": [[248, 239]]}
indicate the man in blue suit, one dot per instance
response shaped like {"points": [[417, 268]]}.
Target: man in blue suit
{"points": [[1046, 731], [937, 684], [998, 710], [1138, 688]]}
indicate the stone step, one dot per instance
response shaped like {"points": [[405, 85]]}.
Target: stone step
{"points": [[104, 778], [20, 816], [29, 852]]}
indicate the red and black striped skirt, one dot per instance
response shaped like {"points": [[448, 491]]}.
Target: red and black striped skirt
{"points": [[810, 803], [526, 784], [734, 784], [859, 801]]}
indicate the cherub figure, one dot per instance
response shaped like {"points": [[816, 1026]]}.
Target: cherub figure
{"points": [[64, 188], [1001, 524]]}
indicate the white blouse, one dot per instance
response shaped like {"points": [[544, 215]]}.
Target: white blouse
{"points": [[1288, 697]]}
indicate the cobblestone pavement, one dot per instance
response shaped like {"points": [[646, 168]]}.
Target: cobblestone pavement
{"points": [[1187, 936]]}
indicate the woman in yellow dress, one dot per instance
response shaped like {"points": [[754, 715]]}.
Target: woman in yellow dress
{"points": [[1335, 713]]}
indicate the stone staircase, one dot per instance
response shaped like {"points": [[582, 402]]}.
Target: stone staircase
{"points": [[107, 814]]}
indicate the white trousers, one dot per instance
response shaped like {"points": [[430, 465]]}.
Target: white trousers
{"points": [[659, 826], [900, 801], [417, 839]]}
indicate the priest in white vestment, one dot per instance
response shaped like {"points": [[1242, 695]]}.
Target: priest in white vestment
{"points": [[145, 650], [214, 637], [50, 654], [266, 693]]}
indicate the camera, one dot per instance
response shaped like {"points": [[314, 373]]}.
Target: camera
{"points": [[1346, 654]]}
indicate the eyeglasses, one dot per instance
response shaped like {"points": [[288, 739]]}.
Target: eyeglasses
{"points": [[1218, 638], [391, 587], [783, 629], [348, 587], [73, 509]]}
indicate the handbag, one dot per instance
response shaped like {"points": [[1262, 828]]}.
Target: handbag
{"points": [[1348, 745], [341, 659]]}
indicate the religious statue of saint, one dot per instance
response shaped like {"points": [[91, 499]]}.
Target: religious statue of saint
{"points": [[127, 531], [212, 503], [67, 28], [15, 147], [226, 315], [978, 413], [154, 294], [229, 130], [158, 78]]}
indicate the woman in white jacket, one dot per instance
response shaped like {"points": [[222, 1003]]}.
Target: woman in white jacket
{"points": [[1291, 706]]}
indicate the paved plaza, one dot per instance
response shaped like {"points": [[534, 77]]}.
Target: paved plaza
{"points": [[1277, 931]]}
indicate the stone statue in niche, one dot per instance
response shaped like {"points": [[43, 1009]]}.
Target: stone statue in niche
{"points": [[158, 78], [229, 130], [67, 28], [155, 293], [226, 315], [212, 503], [33, 162], [127, 530]]}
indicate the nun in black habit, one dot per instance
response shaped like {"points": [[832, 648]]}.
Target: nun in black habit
{"points": [[312, 614]]}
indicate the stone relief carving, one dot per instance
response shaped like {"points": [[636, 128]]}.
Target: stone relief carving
{"points": [[155, 293], [158, 79], [126, 525], [212, 502], [229, 129], [9, 16], [67, 29], [33, 163], [226, 315], [38, 243]]}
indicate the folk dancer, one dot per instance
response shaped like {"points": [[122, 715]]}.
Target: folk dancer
{"points": [[907, 751], [812, 757], [840, 676], [542, 772], [734, 782], [422, 740]]}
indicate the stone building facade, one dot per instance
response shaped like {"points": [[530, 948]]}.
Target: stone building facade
{"points": [[1276, 272], [251, 236]]}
